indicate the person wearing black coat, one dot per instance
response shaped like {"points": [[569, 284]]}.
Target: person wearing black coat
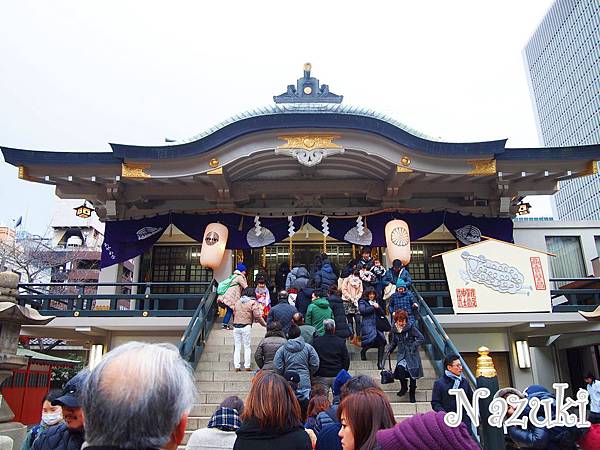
{"points": [[251, 436], [342, 329], [304, 299], [283, 313], [333, 355], [59, 437], [441, 400], [325, 277], [371, 337], [272, 418], [281, 276]]}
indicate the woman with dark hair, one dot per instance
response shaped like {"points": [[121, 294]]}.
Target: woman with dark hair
{"points": [[268, 346], [221, 428], [51, 416], [362, 415], [371, 337], [271, 419], [316, 405], [408, 339]]}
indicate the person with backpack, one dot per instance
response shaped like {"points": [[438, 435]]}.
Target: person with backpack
{"points": [[230, 290], [298, 278], [325, 277]]}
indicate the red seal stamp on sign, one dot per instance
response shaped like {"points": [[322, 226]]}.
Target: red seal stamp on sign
{"points": [[466, 298], [538, 273]]}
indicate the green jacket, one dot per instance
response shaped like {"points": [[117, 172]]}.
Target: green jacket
{"points": [[317, 312]]}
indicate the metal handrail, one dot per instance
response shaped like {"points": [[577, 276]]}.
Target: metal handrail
{"points": [[435, 327], [199, 326]]}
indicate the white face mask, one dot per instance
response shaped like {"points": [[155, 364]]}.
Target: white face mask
{"points": [[52, 418]]}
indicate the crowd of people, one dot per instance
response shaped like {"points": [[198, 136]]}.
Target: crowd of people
{"points": [[303, 396], [356, 300], [103, 409]]}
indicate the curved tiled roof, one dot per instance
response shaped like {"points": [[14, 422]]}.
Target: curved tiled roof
{"points": [[301, 116], [324, 116]]}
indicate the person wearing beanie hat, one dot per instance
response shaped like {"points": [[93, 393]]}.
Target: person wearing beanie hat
{"points": [[237, 284], [426, 431], [341, 378], [403, 299]]}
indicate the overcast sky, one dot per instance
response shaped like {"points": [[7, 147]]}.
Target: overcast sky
{"points": [[77, 75]]}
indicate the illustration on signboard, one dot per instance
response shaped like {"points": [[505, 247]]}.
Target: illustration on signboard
{"points": [[495, 275]]}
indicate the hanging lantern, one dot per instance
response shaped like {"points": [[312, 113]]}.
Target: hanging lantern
{"points": [[397, 238], [213, 245], [84, 211]]}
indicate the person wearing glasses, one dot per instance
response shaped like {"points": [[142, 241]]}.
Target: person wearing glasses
{"points": [[441, 399]]}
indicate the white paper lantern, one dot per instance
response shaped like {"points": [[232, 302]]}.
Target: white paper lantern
{"points": [[213, 245], [397, 238]]}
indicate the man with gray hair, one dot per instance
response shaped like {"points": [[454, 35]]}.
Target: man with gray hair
{"points": [[138, 397], [333, 355]]}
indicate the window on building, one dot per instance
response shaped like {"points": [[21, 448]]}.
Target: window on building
{"points": [[569, 262], [597, 239], [178, 263]]}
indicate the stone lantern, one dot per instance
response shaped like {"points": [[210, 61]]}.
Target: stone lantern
{"points": [[12, 317]]}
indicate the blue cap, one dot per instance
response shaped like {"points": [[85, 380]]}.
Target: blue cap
{"points": [[342, 377], [71, 396], [401, 283], [533, 389], [240, 267]]}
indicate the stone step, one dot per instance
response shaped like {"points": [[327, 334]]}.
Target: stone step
{"points": [[422, 395], [213, 354], [230, 375], [227, 364], [241, 388]]}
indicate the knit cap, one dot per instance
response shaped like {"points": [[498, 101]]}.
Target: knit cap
{"points": [[401, 283], [240, 267], [426, 431], [341, 378]]}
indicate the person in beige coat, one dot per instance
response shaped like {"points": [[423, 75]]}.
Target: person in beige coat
{"points": [[245, 312], [352, 289], [233, 293]]}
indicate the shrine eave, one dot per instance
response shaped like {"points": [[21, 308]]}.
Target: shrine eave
{"points": [[317, 121]]}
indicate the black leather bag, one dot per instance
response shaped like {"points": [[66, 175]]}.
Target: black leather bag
{"points": [[387, 376], [382, 323]]}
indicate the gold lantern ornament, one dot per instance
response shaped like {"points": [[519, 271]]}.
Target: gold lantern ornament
{"points": [[84, 211]]}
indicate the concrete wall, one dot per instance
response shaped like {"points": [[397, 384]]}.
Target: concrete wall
{"points": [[533, 234]]}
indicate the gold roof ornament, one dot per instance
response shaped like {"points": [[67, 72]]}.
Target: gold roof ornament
{"points": [[134, 170], [482, 167], [309, 141], [485, 364]]}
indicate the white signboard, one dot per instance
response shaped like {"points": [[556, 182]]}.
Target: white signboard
{"points": [[497, 277]]}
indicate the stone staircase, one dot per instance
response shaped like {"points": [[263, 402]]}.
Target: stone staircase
{"points": [[216, 380]]}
